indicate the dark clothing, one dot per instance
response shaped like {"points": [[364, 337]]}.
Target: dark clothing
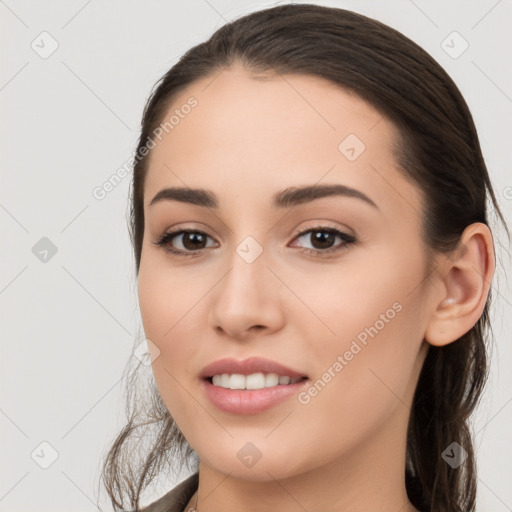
{"points": [[177, 498]]}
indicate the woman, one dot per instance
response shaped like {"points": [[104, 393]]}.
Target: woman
{"points": [[314, 265]]}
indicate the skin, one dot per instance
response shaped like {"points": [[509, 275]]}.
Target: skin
{"points": [[247, 139]]}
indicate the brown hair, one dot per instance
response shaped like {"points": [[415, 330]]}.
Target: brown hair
{"points": [[439, 150]]}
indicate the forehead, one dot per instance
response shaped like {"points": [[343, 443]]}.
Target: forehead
{"points": [[248, 136]]}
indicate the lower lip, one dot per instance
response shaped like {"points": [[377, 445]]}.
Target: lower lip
{"points": [[250, 401]]}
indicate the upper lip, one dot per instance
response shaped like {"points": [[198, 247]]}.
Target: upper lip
{"points": [[247, 367]]}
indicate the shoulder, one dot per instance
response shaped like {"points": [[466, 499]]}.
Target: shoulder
{"points": [[177, 498]]}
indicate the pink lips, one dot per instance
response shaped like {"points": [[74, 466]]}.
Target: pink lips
{"points": [[248, 401]]}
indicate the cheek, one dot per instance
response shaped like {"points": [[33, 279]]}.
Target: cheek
{"points": [[166, 299], [376, 330], [165, 306], [170, 305], [371, 291], [363, 374]]}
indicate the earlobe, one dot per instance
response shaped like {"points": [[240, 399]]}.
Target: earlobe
{"points": [[466, 279]]}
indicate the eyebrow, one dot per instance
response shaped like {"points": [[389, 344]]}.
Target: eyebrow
{"points": [[288, 197]]}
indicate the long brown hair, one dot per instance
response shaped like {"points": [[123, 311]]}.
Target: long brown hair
{"points": [[439, 150]]}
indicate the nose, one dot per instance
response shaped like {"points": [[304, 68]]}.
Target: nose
{"points": [[247, 300]]}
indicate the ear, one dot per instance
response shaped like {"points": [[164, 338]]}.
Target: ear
{"points": [[465, 283]]}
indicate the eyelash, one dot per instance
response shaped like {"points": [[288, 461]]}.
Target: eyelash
{"points": [[347, 240]]}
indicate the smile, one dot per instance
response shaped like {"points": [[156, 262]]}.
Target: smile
{"points": [[252, 381]]}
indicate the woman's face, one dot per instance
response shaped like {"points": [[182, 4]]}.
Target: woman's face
{"points": [[334, 287]]}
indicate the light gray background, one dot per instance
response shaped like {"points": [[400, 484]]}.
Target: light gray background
{"points": [[69, 121]]}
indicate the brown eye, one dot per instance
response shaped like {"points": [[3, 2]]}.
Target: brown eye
{"points": [[190, 241], [193, 240], [323, 240]]}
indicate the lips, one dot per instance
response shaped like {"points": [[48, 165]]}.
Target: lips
{"points": [[247, 367]]}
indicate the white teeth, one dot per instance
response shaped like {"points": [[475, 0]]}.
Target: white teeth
{"points": [[255, 381], [271, 379], [237, 381], [252, 381]]}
